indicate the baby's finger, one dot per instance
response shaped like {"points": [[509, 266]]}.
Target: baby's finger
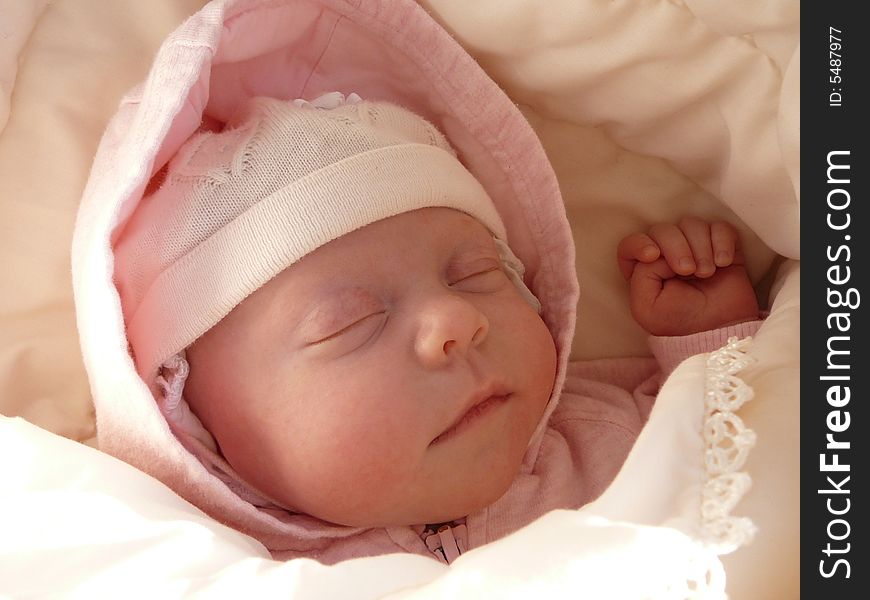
{"points": [[697, 232], [725, 243], [647, 283], [635, 247], [674, 247]]}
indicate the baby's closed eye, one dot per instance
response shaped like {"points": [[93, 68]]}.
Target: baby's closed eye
{"points": [[343, 311], [478, 276], [359, 329]]}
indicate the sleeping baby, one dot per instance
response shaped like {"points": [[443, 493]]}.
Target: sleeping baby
{"points": [[340, 331]]}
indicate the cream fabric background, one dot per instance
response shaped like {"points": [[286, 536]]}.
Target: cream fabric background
{"points": [[70, 62]]}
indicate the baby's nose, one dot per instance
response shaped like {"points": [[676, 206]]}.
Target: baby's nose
{"points": [[449, 325]]}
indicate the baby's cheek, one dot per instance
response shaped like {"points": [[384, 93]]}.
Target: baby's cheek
{"points": [[541, 362], [529, 337], [365, 460]]}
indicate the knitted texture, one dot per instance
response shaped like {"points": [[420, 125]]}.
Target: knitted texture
{"points": [[280, 180]]}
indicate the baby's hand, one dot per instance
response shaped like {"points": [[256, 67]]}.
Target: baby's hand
{"points": [[687, 278]]}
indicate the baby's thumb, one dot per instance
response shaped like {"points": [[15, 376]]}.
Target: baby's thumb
{"points": [[633, 248], [647, 283]]}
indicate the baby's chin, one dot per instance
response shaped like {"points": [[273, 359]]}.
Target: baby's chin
{"points": [[418, 515], [432, 499]]}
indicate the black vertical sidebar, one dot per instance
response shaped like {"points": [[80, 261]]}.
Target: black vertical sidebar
{"points": [[835, 370]]}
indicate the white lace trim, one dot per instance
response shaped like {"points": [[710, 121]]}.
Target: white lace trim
{"points": [[170, 380], [728, 443]]}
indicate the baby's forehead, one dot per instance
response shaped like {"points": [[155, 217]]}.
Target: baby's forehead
{"points": [[429, 222], [399, 246], [411, 234], [402, 252]]}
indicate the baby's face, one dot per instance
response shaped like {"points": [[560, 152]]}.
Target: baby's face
{"points": [[337, 387]]}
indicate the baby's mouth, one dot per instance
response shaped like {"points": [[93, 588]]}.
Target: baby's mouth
{"points": [[478, 411]]}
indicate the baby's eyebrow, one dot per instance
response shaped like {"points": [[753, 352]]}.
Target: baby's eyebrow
{"points": [[475, 244]]}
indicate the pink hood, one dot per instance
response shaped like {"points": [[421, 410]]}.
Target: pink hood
{"points": [[235, 49]]}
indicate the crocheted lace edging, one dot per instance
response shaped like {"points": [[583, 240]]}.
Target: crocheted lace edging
{"points": [[728, 442]]}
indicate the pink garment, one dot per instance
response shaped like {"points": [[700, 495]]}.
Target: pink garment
{"points": [[381, 49]]}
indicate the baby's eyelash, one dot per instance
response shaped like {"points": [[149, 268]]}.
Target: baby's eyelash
{"points": [[347, 328], [483, 272], [465, 269]]}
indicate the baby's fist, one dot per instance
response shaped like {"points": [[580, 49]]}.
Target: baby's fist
{"points": [[687, 278]]}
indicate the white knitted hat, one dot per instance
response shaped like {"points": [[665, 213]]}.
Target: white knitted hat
{"points": [[282, 179]]}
